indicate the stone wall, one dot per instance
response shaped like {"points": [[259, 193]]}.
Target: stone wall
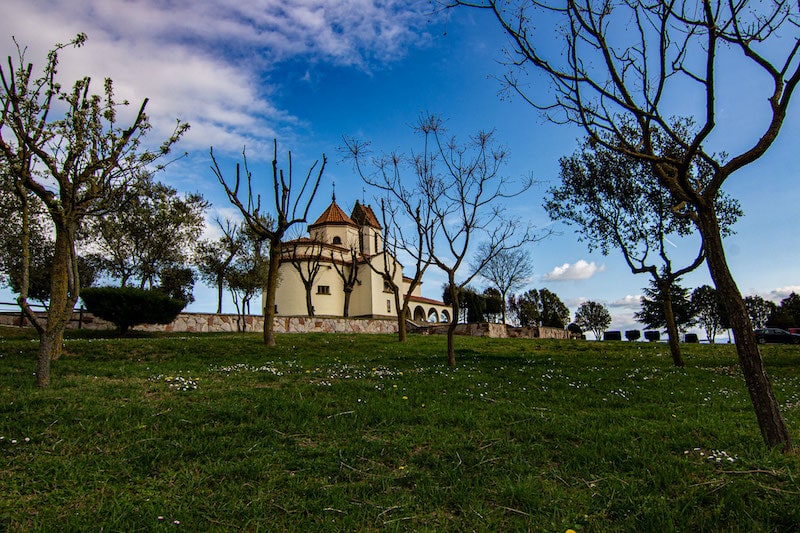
{"points": [[209, 322], [497, 331]]}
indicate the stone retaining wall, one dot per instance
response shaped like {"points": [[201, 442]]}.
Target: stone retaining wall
{"points": [[497, 331], [210, 322]]}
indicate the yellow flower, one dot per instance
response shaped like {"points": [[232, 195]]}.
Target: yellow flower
{"points": [[570, 531], [405, 397]]}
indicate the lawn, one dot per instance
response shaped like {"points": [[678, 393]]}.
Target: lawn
{"points": [[347, 432]]}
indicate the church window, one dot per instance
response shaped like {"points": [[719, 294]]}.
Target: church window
{"points": [[323, 289], [337, 240]]}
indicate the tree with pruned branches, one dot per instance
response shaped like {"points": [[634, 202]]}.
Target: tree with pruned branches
{"points": [[459, 187], [66, 145], [291, 207], [507, 271]]}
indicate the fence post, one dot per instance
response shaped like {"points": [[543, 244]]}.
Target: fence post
{"points": [[80, 318]]}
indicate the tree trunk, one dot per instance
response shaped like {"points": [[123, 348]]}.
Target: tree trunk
{"points": [[347, 293], [402, 313], [309, 303], [272, 286], [665, 287], [451, 328], [220, 283], [771, 423], [63, 295]]}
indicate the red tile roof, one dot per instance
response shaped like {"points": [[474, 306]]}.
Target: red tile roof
{"points": [[423, 300], [333, 215], [365, 216]]}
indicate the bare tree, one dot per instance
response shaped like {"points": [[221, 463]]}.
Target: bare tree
{"points": [[87, 162], [454, 197], [288, 212], [305, 255], [619, 74], [507, 271], [407, 224], [345, 263]]}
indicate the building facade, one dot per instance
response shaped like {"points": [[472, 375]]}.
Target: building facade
{"points": [[338, 270]]}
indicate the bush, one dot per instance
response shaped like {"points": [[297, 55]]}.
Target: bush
{"points": [[633, 334], [691, 338], [612, 336], [652, 335], [126, 307]]}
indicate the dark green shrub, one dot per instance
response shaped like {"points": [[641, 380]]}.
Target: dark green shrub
{"points": [[126, 307], [612, 336], [633, 334], [652, 335]]}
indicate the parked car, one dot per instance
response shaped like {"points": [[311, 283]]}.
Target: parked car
{"points": [[794, 330], [776, 335]]}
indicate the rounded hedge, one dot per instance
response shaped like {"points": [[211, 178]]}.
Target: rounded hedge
{"points": [[126, 307]]}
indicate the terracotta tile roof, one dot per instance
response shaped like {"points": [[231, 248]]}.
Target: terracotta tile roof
{"points": [[333, 215], [365, 216], [423, 300]]}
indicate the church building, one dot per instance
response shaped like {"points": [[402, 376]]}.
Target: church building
{"points": [[337, 271]]}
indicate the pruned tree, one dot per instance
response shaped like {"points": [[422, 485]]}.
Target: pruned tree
{"points": [[306, 256], [214, 258], [345, 263], [615, 202], [625, 68], [67, 147], [406, 220], [459, 187], [507, 271], [288, 211], [593, 316]]}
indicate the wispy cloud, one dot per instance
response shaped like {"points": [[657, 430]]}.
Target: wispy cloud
{"points": [[579, 270], [209, 63], [628, 302], [776, 295]]}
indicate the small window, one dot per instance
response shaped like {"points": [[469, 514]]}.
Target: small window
{"points": [[337, 240], [323, 289], [387, 287], [388, 306]]}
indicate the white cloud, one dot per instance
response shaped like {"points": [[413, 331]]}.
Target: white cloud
{"points": [[207, 63], [776, 295], [628, 302], [581, 269]]}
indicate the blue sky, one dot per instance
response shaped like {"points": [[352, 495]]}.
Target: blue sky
{"points": [[310, 71]]}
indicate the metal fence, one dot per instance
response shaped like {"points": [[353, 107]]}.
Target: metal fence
{"points": [[12, 309]]}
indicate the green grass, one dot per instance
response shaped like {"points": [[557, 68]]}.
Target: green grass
{"points": [[345, 432]]}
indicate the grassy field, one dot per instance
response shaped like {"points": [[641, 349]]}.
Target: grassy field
{"points": [[344, 432]]}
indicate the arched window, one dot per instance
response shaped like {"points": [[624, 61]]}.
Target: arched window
{"points": [[337, 240]]}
